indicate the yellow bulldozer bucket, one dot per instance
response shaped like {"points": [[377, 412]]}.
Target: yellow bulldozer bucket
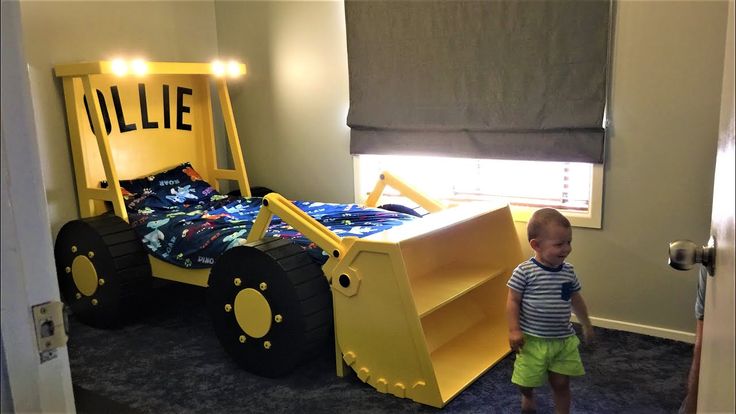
{"points": [[420, 309]]}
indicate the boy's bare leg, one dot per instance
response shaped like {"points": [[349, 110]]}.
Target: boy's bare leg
{"points": [[690, 404], [527, 400], [560, 385]]}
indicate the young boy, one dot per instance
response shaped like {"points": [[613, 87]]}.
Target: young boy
{"points": [[542, 291], [690, 403]]}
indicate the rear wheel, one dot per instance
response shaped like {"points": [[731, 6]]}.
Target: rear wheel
{"points": [[104, 272], [270, 305]]}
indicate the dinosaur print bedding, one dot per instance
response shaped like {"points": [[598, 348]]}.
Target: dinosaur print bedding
{"points": [[183, 220]]}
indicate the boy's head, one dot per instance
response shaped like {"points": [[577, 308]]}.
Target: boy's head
{"points": [[550, 235]]}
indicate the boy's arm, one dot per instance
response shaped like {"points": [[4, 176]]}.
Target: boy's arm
{"points": [[581, 312], [513, 306]]}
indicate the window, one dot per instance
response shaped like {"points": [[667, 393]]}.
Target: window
{"points": [[573, 188]]}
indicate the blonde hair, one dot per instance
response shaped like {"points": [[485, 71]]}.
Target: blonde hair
{"points": [[541, 219]]}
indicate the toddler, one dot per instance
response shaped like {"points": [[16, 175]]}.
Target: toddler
{"points": [[542, 292]]}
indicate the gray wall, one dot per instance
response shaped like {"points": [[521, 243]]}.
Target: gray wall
{"points": [[665, 105], [57, 32], [292, 105]]}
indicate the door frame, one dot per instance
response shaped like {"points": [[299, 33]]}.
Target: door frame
{"points": [[28, 270]]}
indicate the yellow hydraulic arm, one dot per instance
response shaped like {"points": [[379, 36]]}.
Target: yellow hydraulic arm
{"points": [[405, 189], [275, 203]]}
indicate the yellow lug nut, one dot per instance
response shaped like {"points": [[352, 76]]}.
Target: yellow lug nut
{"points": [[91, 254], [74, 249], [237, 281], [267, 344], [78, 295], [263, 286], [228, 307], [241, 338], [68, 269], [278, 318], [101, 282], [95, 302]]}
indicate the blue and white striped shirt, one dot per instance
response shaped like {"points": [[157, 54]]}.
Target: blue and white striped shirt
{"points": [[545, 301]]}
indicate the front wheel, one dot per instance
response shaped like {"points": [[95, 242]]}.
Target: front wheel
{"points": [[270, 305]]}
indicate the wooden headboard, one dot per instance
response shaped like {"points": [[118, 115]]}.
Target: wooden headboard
{"points": [[149, 121]]}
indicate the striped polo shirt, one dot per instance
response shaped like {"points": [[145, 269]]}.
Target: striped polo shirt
{"points": [[545, 302]]}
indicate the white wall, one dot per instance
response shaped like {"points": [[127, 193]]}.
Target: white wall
{"points": [[667, 60]]}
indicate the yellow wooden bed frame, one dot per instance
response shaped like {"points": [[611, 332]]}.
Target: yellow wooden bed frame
{"points": [[419, 310]]}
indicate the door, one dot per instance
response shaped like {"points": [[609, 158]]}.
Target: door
{"points": [[30, 383], [716, 391]]}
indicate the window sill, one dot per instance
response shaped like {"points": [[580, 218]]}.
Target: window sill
{"points": [[577, 219]]}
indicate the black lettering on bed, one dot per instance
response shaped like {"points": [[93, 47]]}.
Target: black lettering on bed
{"points": [[181, 109], [167, 108], [146, 113], [119, 111], [103, 108], [144, 108]]}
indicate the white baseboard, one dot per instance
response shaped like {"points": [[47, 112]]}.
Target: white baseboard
{"points": [[688, 337]]}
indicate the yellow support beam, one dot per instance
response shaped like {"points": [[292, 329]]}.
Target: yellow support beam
{"points": [[113, 191], [232, 136], [115, 67]]}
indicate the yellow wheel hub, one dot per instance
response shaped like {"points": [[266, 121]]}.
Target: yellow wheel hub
{"points": [[253, 313], [85, 275]]}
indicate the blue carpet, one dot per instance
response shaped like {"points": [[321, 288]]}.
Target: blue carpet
{"points": [[169, 361]]}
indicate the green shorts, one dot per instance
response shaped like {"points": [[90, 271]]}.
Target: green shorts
{"points": [[539, 356]]}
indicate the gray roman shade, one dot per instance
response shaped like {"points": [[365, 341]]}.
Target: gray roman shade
{"points": [[480, 79]]}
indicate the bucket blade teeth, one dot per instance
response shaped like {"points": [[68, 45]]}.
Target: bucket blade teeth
{"points": [[364, 374]]}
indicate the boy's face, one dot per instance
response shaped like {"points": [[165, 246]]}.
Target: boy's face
{"points": [[553, 246]]}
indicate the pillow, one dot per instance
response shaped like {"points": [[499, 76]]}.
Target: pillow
{"points": [[178, 186]]}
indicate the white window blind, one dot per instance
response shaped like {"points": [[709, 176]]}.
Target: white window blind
{"points": [[567, 186]]}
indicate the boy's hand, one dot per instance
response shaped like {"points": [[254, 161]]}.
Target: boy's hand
{"points": [[588, 334], [516, 340]]}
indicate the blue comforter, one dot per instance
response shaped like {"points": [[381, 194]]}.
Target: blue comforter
{"points": [[183, 220]]}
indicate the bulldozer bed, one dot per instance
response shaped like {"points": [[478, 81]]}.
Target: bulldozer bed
{"points": [[418, 310]]}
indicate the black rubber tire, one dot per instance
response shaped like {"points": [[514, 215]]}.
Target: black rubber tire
{"points": [[296, 290], [118, 258]]}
